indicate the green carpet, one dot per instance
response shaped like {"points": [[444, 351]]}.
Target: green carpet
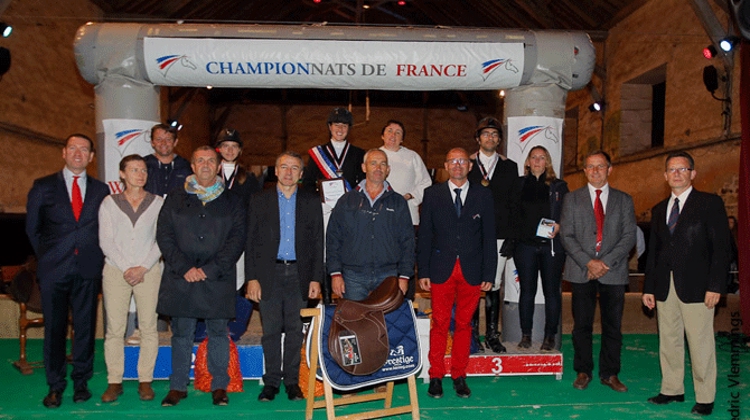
{"points": [[520, 397]]}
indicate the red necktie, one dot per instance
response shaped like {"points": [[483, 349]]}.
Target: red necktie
{"points": [[599, 213], [77, 199]]}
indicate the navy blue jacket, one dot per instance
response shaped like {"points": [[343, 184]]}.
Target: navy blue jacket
{"points": [[156, 185], [361, 236], [55, 234], [443, 236]]}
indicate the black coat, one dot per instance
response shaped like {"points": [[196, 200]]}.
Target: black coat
{"points": [[263, 236], [697, 253], [501, 185], [209, 237]]}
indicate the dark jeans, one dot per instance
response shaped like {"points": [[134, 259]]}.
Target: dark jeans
{"points": [[217, 352], [611, 302], [532, 260], [280, 312], [359, 284]]}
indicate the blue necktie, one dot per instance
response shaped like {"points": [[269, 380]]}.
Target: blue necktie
{"points": [[674, 215], [458, 201]]}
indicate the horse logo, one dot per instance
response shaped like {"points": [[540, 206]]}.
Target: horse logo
{"points": [[526, 134], [489, 66], [166, 62]]}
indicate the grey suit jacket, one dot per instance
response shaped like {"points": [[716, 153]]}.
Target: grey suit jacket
{"points": [[578, 235]]}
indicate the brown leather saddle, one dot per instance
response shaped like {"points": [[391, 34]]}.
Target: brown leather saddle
{"points": [[358, 336]]}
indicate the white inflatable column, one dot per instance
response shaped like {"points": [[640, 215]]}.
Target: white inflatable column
{"points": [[533, 116]]}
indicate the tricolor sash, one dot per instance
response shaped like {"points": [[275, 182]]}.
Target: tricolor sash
{"points": [[327, 167]]}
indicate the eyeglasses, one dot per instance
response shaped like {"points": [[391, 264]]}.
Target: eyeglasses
{"points": [[598, 167], [490, 135], [680, 170], [457, 161]]}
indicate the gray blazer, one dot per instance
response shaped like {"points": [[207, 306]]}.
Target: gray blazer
{"points": [[578, 235]]}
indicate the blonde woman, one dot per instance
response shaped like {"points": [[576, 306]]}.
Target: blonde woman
{"points": [[538, 201]]}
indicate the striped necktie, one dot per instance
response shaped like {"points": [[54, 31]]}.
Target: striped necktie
{"points": [[674, 215]]}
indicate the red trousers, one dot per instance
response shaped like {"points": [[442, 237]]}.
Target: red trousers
{"points": [[466, 298]]}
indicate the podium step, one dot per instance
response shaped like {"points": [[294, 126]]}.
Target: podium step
{"points": [[249, 350], [513, 364]]}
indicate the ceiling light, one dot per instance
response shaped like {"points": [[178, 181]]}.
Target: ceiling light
{"points": [[174, 124], [5, 29], [728, 43], [401, 2], [710, 52], [596, 106]]}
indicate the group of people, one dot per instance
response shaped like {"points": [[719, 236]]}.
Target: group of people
{"points": [[172, 240]]}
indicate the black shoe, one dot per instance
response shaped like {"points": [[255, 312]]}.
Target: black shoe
{"points": [[462, 390], [268, 394], [173, 398], [436, 388], [662, 399], [703, 409], [493, 343], [525, 342], [219, 397], [81, 395], [548, 344], [53, 399], [294, 393]]}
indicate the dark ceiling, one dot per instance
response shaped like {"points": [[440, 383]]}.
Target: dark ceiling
{"points": [[593, 16]]}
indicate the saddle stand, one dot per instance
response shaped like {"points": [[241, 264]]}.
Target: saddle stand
{"points": [[329, 402]]}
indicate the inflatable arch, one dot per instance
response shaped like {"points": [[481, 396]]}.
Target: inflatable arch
{"points": [[128, 62]]}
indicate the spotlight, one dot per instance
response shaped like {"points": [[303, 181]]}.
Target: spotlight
{"points": [[710, 52], [5, 29], [316, 1], [596, 106], [174, 124], [727, 44], [4, 60], [501, 93], [401, 2], [711, 78]]}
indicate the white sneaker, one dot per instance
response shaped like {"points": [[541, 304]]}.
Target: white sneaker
{"points": [[134, 339]]}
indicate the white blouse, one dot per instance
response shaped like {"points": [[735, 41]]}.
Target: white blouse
{"points": [[408, 176]]}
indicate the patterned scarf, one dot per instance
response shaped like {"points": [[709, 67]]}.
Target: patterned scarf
{"points": [[204, 194]]}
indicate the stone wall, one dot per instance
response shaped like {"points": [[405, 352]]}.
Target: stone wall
{"points": [[42, 97], [661, 33]]}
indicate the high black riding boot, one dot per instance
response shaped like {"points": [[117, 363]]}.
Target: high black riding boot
{"points": [[492, 316], [475, 344]]}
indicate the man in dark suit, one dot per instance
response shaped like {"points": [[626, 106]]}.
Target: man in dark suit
{"points": [[284, 265], [597, 231], [63, 227], [686, 274], [456, 260], [498, 173]]}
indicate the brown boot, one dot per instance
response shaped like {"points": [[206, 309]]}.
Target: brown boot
{"points": [[145, 391], [113, 391]]}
